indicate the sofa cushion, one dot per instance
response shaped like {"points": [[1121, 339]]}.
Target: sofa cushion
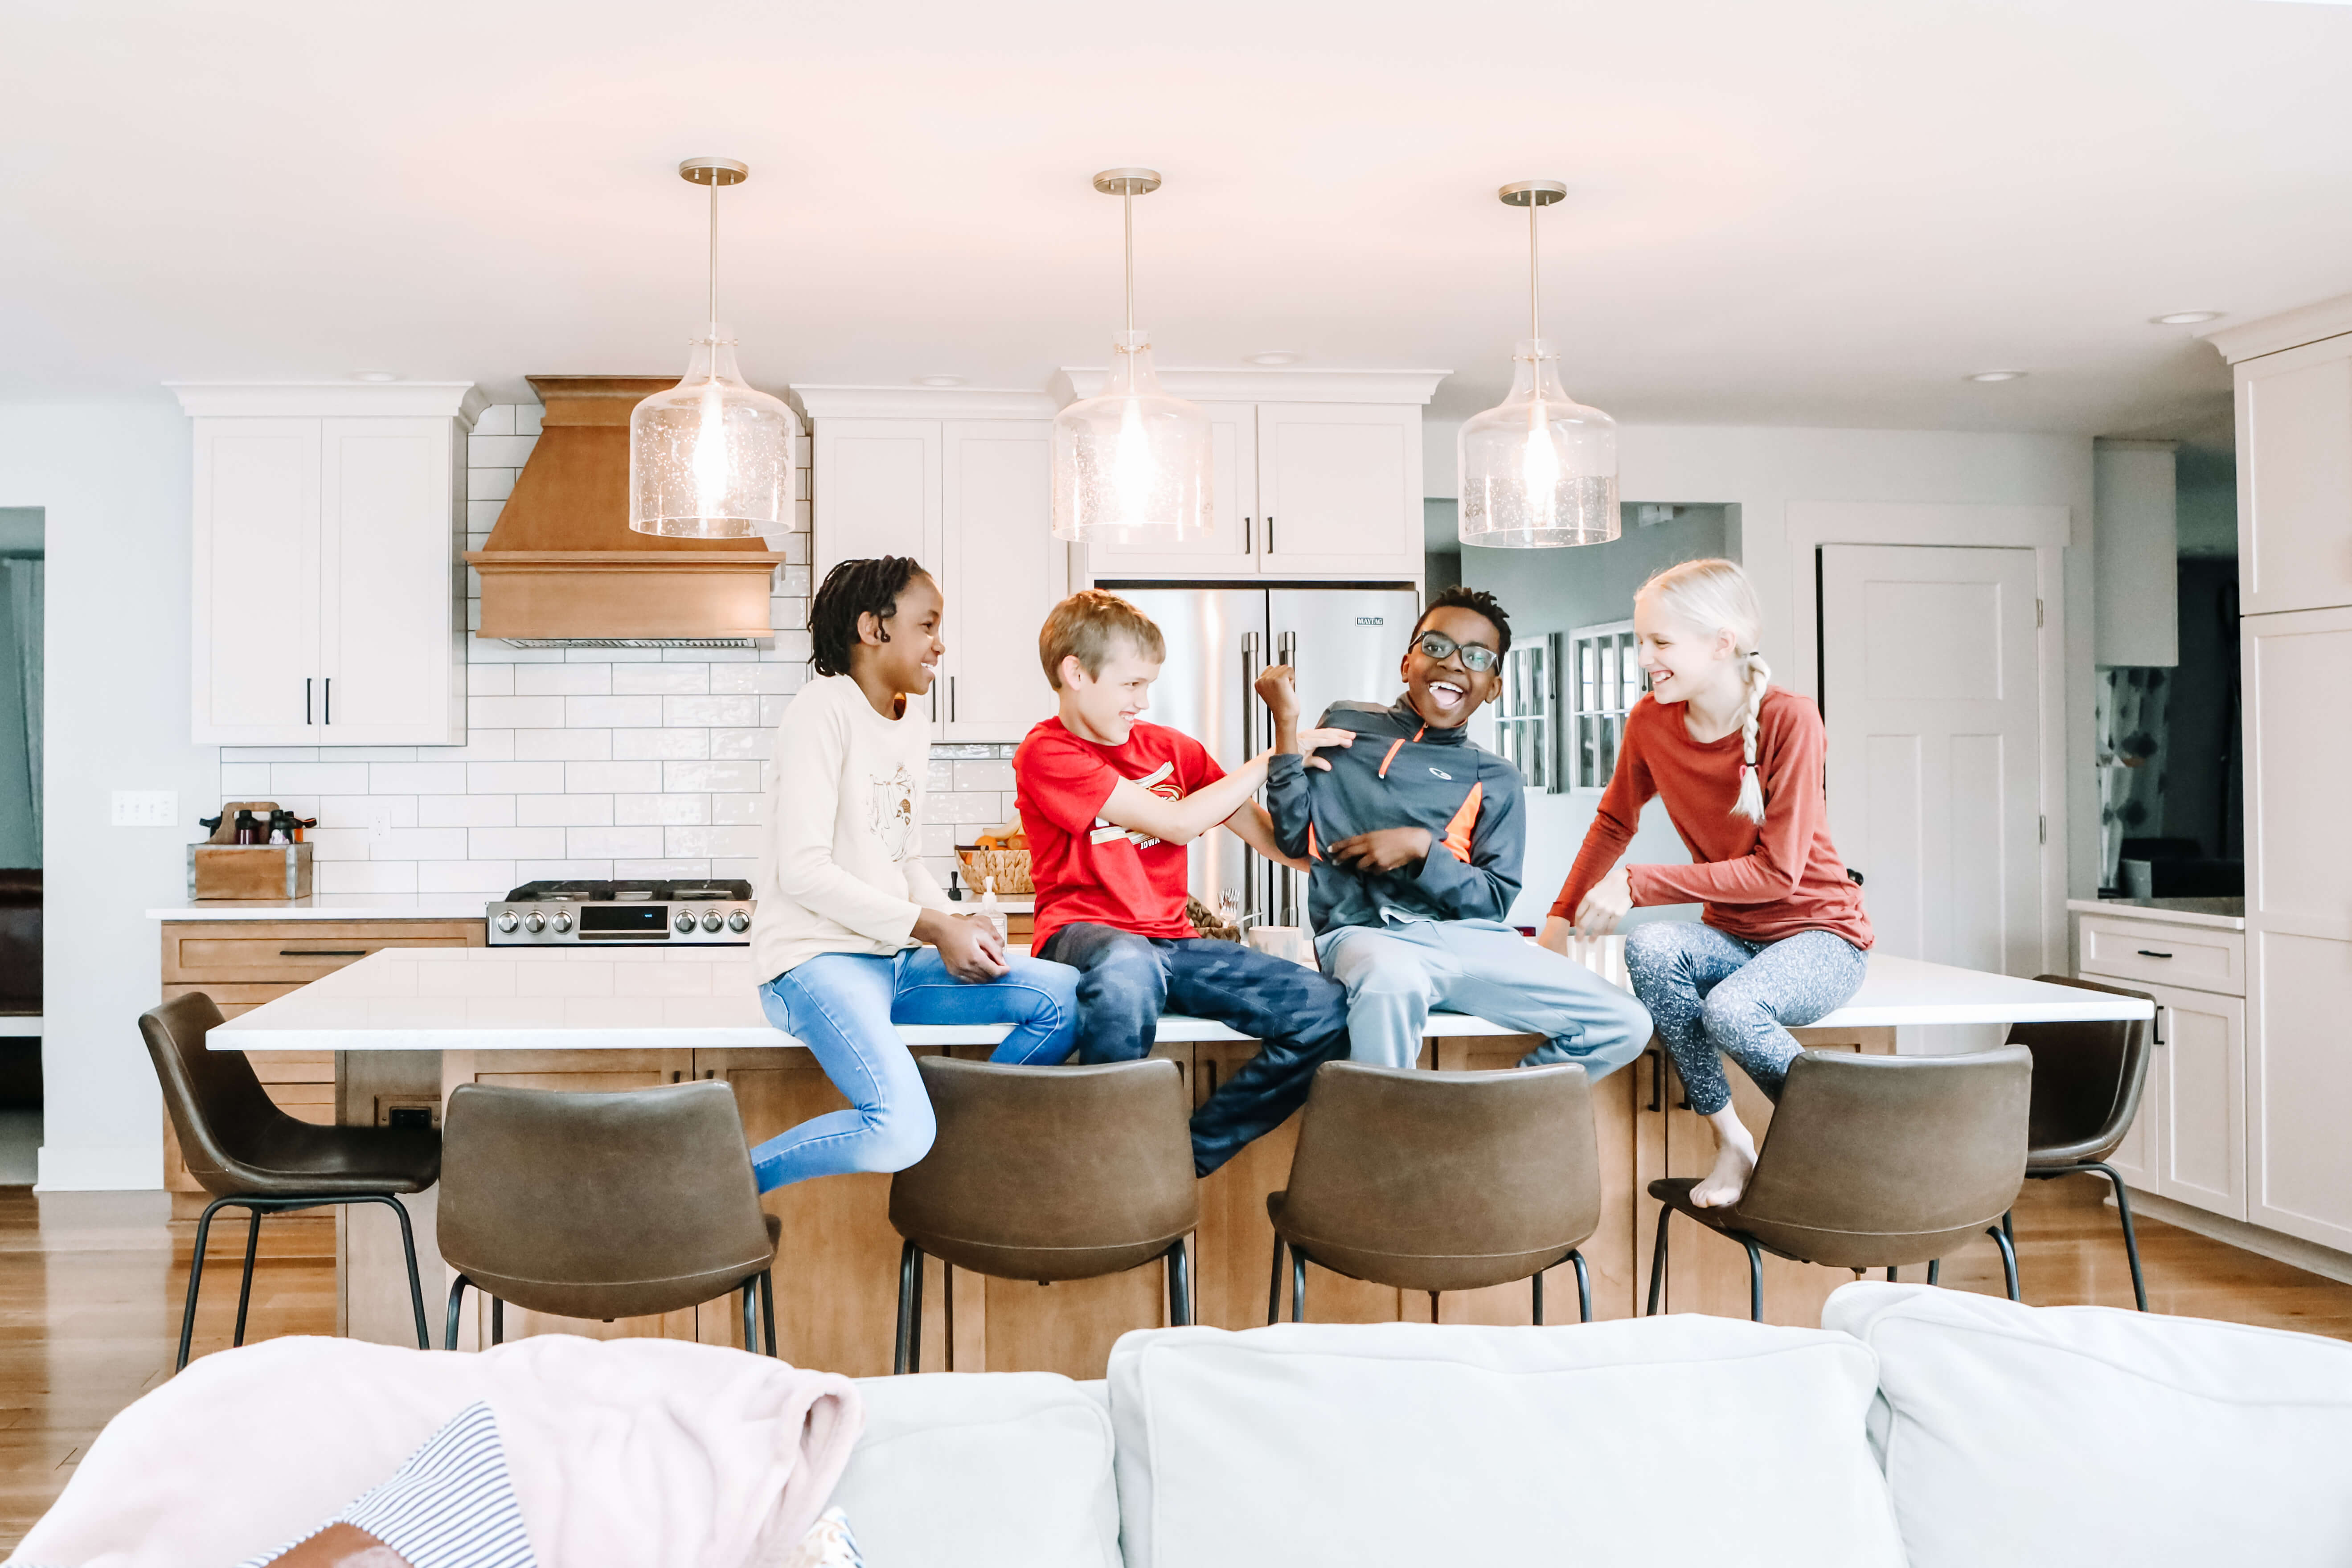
{"points": [[2062, 1436], [987, 1470], [1661, 1441]]}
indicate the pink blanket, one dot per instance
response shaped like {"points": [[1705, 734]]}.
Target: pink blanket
{"points": [[653, 1453]]}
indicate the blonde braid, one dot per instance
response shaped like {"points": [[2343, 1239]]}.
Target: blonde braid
{"points": [[1759, 678]]}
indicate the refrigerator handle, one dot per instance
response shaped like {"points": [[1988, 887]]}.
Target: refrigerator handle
{"points": [[1286, 649], [1249, 695]]}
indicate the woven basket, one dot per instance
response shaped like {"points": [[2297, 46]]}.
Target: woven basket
{"points": [[1009, 867]]}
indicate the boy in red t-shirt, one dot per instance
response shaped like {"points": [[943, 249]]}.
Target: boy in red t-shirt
{"points": [[1109, 803]]}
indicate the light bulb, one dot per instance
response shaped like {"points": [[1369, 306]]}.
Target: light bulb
{"points": [[1131, 468], [1540, 472], [710, 452]]}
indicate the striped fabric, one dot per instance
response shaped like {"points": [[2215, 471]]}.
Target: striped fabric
{"points": [[450, 1506], [828, 1544]]}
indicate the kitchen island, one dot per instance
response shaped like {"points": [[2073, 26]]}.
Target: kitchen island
{"points": [[408, 1024]]}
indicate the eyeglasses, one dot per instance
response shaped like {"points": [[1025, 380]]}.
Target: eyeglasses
{"points": [[1438, 646]]}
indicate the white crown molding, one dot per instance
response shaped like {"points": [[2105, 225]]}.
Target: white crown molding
{"points": [[1270, 386], [2287, 330], [920, 403], [460, 400]]}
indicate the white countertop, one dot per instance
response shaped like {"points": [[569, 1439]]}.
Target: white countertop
{"points": [[522, 998], [2227, 914], [334, 906]]}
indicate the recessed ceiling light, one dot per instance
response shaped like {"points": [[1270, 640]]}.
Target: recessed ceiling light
{"points": [[939, 380], [376, 374], [2185, 318], [1999, 375], [1276, 356]]}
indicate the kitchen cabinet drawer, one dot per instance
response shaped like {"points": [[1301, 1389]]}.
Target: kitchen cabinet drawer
{"points": [[2200, 957], [240, 956]]}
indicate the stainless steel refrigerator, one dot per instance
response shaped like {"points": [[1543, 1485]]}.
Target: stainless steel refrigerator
{"points": [[1345, 642]]}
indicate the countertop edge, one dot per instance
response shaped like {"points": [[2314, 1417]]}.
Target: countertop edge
{"points": [[2119, 909]]}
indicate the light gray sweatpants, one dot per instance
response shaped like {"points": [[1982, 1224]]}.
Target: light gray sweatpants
{"points": [[1395, 975]]}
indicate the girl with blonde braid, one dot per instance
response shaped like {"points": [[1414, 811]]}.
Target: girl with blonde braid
{"points": [[1738, 760]]}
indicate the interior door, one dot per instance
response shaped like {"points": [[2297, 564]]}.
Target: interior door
{"points": [[1003, 571], [1230, 546], [389, 656], [257, 588], [1931, 686], [1340, 486]]}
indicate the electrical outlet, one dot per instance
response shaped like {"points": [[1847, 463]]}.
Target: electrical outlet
{"points": [[379, 825], [146, 808]]}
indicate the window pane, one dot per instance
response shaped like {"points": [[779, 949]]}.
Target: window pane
{"points": [[1610, 730], [1631, 663], [1608, 675], [1584, 665], [1587, 756]]}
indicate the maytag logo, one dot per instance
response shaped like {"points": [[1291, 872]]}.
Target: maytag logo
{"points": [[1369, 621]]}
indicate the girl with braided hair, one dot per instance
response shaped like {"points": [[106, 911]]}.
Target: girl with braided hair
{"points": [[1783, 938]]}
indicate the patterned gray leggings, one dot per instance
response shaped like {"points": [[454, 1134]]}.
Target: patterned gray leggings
{"points": [[1710, 993]]}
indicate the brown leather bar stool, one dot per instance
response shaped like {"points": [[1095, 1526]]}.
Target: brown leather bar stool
{"points": [[2088, 1080], [602, 1206], [1440, 1181], [1875, 1161], [249, 1155], [1046, 1173]]}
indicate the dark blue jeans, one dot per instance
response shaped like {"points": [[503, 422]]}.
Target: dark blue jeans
{"points": [[1124, 982]]}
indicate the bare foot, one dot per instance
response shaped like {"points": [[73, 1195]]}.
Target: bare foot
{"points": [[1735, 1161]]}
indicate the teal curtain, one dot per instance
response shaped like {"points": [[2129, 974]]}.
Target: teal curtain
{"points": [[24, 589]]}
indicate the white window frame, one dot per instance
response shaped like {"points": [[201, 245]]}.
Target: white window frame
{"points": [[1526, 710], [1579, 706]]}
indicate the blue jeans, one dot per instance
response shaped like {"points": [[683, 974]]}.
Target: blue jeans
{"points": [[842, 1005], [1125, 981], [1712, 992]]}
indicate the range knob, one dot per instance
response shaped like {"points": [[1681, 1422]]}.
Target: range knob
{"points": [[710, 920], [562, 921], [685, 922], [506, 921], [739, 921], [534, 922]]}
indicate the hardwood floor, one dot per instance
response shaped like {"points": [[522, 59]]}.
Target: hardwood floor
{"points": [[91, 1283]]}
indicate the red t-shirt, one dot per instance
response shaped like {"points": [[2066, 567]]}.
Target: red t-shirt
{"points": [[1085, 868]]}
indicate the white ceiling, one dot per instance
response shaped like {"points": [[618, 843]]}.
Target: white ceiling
{"points": [[1812, 211]]}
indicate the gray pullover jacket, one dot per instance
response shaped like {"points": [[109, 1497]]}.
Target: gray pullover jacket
{"points": [[1401, 774]]}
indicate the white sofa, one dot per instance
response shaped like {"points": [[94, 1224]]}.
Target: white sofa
{"points": [[1918, 1428]]}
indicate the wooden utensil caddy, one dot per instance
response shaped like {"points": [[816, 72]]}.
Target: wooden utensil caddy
{"points": [[221, 868]]}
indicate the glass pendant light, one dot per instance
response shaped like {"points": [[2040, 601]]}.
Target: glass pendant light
{"points": [[711, 457], [1540, 468], [1131, 465]]}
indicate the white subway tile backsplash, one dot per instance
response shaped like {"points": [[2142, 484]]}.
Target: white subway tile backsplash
{"points": [[660, 679], [527, 417], [518, 712], [780, 679], [498, 419], [661, 810], [941, 776], [734, 841], [492, 878], [465, 811], [320, 778], [563, 745], [717, 777], [614, 841], [416, 778], [354, 810], [697, 869], [422, 843], [680, 711], [563, 680], [337, 843], [739, 870], [562, 870], [740, 744], [612, 712], [986, 808], [365, 877], [499, 451], [269, 753], [666, 745], [564, 811], [612, 778], [983, 775], [371, 754], [245, 781], [939, 839], [516, 778], [489, 484], [734, 810], [482, 745], [490, 681], [515, 843]]}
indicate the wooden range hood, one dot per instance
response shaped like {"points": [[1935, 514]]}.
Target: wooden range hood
{"points": [[563, 568]]}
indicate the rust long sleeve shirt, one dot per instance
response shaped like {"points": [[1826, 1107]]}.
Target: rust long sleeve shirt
{"points": [[1761, 883]]}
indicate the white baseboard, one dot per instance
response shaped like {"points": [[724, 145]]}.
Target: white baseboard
{"points": [[2308, 1256], [98, 1168]]}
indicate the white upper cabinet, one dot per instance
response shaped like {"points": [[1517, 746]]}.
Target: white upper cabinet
{"points": [[1317, 476], [2294, 478], [329, 598], [905, 473]]}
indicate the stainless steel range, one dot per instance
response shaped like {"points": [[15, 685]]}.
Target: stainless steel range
{"points": [[707, 913]]}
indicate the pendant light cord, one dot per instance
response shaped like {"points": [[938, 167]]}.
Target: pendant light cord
{"points": [[1535, 278], [1126, 202], [710, 274]]}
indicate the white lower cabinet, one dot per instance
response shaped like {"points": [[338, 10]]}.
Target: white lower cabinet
{"points": [[2189, 1141]]}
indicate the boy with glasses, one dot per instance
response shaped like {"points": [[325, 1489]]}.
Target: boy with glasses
{"points": [[1416, 837]]}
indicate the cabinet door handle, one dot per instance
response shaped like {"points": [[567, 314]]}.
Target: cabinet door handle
{"points": [[306, 699], [323, 952], [1269, 533], [2159, 1022], [2152, 952], [952, 700], [328, 707], [1246, 536]]}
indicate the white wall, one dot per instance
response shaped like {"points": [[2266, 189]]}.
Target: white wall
{"points": [[1762, 470], [115, 481]]}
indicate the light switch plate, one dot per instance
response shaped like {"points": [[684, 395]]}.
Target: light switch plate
{"points": [[146, 808]]}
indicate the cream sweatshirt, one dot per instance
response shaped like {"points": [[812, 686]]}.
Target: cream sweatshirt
{"points": [[841, 866]]}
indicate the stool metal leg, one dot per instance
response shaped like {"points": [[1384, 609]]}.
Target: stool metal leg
{"points": [[1583, 1288], [2008, 1259], [497, 1321], [245, 1287], [1934, 1266], [456, 1295], [195, 1275], [911, 1310], [2131, 1242], [1298, 1284], [1658, 1262], [1537, 1282], [768, 1309], [751, 1324], [1890, 1274], [1273, 1285], [1180, 1287], [415, 1285], [1755, 1282]]}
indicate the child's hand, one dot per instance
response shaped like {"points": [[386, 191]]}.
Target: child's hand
{"points": [[1312, 740], [1383, 849], [968, 944], [1610, 899], [1278, 689]]}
